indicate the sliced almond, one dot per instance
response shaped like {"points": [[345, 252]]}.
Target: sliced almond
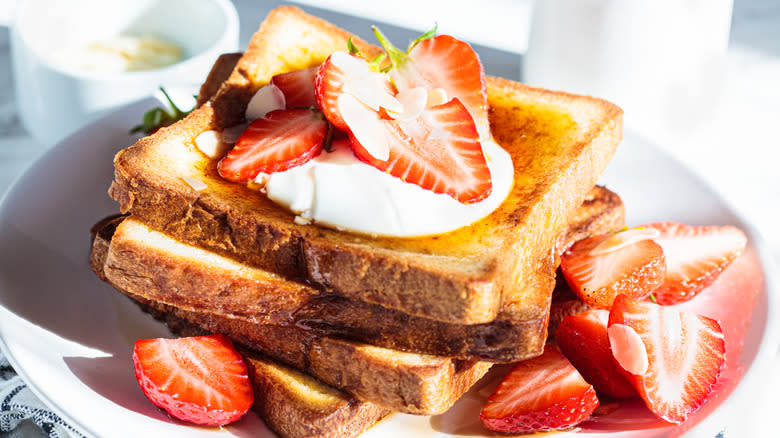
{"points": [[211, 144], [413, 102], [195, 183], [265, 100], [372, 92], [365, 84], [437, 96], [365, 126]]}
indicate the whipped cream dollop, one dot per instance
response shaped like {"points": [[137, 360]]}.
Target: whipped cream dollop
{"points": [[337, 190]]}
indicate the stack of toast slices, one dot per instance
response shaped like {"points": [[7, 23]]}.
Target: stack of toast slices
{"points": [[340, 329]]}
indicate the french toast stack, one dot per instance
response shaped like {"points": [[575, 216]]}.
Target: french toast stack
{"points": [[363, 325]]}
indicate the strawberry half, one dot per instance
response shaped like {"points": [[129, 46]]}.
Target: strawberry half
{"points": [[201, 380], [599, 268], [438, 151], [695, 257], [342, 70], [297, 87], [583, 340], [672, 358], [540, 394], [279, 141], [442, 62]]}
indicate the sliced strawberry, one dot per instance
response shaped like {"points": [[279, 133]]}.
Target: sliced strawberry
{"points": [[583, 340], [672, 358], [601, 267], [446, 63], [279, 141], [438, 151], [695, 257], [540, 394], [297, 87], [201, 380], [336, 73]]}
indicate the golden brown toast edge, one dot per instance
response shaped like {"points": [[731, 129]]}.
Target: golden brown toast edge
{"points": [[231, 226]]}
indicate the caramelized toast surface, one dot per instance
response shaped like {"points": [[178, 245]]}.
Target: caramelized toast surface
{"points": [[559, 143]]}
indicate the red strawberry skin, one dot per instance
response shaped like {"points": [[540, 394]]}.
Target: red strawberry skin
{"points": [[279, 141], [635, 269], [201, 380], [685, 353], [453, 163], [583, 340], [451, 64], [541, 394], [695, 257], [297, 87], [328, 85]]}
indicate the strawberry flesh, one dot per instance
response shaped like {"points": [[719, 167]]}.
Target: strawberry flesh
{"points": [[695, 257], [600, 267], [279, 141], [685, 355], [583, 340], [202, 380], [438, 151], [297, 87], [540, 394]]}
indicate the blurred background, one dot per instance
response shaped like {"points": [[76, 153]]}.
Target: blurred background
{"points": [[698, 78]]}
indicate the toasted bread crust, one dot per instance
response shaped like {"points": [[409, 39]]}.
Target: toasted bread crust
{"points": [[291, 414], [463, 277]]}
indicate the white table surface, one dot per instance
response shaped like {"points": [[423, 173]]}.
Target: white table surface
{"points": [[737, 151]]}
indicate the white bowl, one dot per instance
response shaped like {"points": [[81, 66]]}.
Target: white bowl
{"points": [[54, 98]]}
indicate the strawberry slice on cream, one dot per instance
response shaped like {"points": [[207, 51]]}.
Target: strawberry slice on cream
{"points": [[413, 156]]}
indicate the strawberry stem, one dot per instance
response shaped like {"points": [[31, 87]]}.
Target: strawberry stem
{"points": [[177, 113], [156, 118], [376, 62], [353, 49], [397, 56], [652, 298], [430, 34]]}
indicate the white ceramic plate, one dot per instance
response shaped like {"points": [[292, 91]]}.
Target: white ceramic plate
{"points": [[70, 335]]}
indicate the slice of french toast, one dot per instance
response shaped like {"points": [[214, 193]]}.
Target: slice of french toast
{"points": [[559, 143], [159, 268], [404, 382]]}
